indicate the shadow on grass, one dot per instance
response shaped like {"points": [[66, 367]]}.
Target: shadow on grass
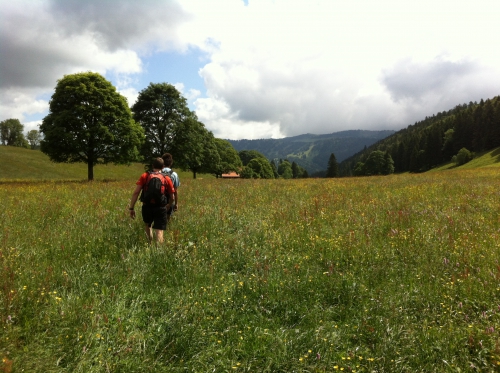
{"points": [[496, 155]]}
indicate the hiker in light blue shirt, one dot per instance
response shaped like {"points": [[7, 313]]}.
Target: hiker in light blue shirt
{"points": [[167, 170]]}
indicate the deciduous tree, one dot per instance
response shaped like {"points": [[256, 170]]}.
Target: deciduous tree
{"points": [[229, 158], [11, 132], [34, 138], [89, 122], [194, 147], [262, 168], [158, 109]]}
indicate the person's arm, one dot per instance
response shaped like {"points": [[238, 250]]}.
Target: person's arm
{"points": [[133, 200], [171, 199], [170, 192], [176, 186], [176, 206]]}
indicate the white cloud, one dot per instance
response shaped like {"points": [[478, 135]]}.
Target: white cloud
{"points": [[224, 124], [331, 65], [275, 68]]}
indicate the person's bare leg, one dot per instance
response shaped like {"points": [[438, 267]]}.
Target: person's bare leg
{"points": [[159, 235], [149, 233]]}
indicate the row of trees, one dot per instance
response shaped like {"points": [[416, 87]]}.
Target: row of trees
{"points": [[257, 166], [474, 127], [90, 122], [11, 133]]}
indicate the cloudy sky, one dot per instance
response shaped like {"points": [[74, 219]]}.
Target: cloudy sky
{"points": [[259, 68]]}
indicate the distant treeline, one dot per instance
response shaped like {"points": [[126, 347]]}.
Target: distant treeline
{"points": [[435, 140]]}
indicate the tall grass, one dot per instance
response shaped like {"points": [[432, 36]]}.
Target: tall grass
{"points": [[380, 274]]}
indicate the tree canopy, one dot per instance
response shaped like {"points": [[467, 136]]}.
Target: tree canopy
{"points": [[11, 133], [194, 147], [378, 163], [261, 169], [159, 108], [247, 155], [89, 122], [34, 138], [229, 158]]}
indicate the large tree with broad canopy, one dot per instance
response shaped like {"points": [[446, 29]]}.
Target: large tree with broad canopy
{"points": [[90, 122], [159, 108]]}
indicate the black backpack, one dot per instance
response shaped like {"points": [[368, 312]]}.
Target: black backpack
{"points": [[153, 192]]}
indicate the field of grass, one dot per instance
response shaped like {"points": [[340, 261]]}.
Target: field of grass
{"points": [[382, 274], [26, 164]]}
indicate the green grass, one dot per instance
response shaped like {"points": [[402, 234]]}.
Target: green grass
{"points": [[381, 274], [26, 164], [490, 158]]}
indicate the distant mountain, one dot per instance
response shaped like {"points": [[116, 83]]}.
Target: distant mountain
{"points": [[313, 151]]}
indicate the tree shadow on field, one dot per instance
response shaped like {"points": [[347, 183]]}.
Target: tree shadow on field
{"points": [[496, 155]]}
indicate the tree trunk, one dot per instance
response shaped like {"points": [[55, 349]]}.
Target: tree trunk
{"points": [[90, 168], [194, 174]]}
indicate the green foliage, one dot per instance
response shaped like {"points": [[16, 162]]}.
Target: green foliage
{"points": [[89, 122], [247, 155], [373, 274], [261, 168], [275, 169], [388, 165], [159, 109], [378, 163], [248, 173], [374, 165], [463, 156], [229, 158], [333, 167], [194, 147], [34, 138], [285, 169], [434, 140], [11, 133], [359, 170]]}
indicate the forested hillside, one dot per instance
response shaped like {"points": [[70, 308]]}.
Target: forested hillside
{"points": [[434, 140], [313, 151]]}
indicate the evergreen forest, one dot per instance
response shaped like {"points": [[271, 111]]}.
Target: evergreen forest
{"points": [[470, 128]]}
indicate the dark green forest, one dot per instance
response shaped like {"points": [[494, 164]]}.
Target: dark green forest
{"points": [[437, 139]]}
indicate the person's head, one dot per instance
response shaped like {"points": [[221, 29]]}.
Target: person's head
{"points": [[157, 163], [168, 160]]}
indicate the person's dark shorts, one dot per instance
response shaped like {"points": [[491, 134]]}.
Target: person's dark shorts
{"points": [[170, 211], [155, 216]]}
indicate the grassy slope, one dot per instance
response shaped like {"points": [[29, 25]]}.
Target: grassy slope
{"points": [[487, 159], [18, 163]]}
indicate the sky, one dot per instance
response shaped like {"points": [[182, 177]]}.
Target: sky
{"points": [[258, 69]]}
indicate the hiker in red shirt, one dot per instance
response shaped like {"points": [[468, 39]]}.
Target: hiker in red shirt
{"points": [[157, 197]]}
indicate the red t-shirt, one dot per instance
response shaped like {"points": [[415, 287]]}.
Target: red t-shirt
{"points": [[144, 178]]}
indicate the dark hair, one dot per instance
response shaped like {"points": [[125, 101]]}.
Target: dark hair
{"points": [[167, 159], [158, 163]]}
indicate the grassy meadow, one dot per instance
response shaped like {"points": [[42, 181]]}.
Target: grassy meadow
{"points": [[382, 274]]}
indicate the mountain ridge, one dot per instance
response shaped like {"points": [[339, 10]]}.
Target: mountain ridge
{"points": [[312, 151]]}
